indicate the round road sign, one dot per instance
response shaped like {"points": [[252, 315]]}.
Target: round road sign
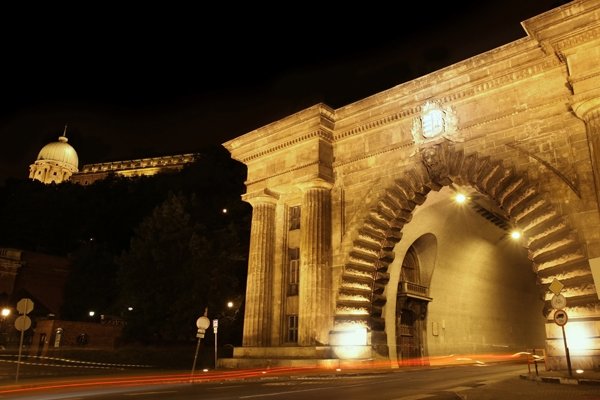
{"points": [[558, 301], [22, 323], [24, 306], [203, 322], [561, 317]]}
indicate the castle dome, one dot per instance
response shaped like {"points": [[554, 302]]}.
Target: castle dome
{"points": [[61, 152], [56, 162]]}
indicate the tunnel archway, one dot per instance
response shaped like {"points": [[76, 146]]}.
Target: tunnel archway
{"points": [[552, 246]]}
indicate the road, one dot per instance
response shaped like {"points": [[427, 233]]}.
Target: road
{"points": [[485, 382]]}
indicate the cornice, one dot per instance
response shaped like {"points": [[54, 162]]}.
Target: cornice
{"points": [[388, 119], [287, 171], [320, 133], [321, 112], [582, 78], [400, 146], [464, 128], [517, 111], [578, 38], [530, 70]]}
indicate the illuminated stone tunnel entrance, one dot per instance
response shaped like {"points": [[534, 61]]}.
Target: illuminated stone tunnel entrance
{"points": [[339, 196], [484, 292], [470, 283]]}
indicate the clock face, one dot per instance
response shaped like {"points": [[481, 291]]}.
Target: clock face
{"points": [[558, 301]]}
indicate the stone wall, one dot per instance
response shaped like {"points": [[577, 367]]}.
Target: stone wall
{"points": [[519, 125]]}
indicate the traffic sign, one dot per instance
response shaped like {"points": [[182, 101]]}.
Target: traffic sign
{"points": [[24, 306], [22, 323], [203, 322], [558, 301], [561, 317], [556, 286]]}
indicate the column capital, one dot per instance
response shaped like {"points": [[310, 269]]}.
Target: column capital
{"points": [[262, 196], [586, 109], [317, 183]]}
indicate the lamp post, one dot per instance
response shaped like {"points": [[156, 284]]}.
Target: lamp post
{"points": [[215, 326], [5, 313]]}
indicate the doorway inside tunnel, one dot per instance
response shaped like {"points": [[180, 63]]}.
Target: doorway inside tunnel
{"points": [[464, 285]]}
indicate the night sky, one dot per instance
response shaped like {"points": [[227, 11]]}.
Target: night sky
{"points": [[145, 82]]}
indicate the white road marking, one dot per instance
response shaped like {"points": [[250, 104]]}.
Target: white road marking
{"points": [[145, 393], [223, 387], [415, 397], [294, 391]]}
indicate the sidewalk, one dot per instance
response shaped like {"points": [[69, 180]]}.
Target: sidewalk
{"points": [[562, 377]]}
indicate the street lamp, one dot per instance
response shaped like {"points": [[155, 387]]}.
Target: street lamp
{"points": [[460, 198], [5, 313]]}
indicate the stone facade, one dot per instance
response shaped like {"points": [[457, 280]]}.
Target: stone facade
{"points": [[517, 128], [53, 334], [56, 162], [131, 168]]}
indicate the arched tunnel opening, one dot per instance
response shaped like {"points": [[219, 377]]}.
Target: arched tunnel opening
{"points": [[460, 284]]}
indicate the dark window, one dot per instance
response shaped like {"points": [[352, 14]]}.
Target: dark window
{"points": [[293, 271], [82, 339], [294, 218], [410, 267], [292, 329]]}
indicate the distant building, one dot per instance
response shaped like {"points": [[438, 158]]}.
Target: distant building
{"points": [[42, 277], [51, 334], [57, 162], [131, 168]]}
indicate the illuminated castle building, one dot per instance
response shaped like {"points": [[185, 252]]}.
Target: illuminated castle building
{"points": [[58, 162]]}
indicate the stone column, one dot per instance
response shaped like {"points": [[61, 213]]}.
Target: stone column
{"points": [[257, 321], [314, 314]]}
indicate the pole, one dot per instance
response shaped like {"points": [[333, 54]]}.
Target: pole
{"points": [[215, 348], [195, 358], [567, 352], [19, 359]]}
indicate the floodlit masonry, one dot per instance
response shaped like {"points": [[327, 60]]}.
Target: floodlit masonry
{"points": [[58, 162], [356, 251]]}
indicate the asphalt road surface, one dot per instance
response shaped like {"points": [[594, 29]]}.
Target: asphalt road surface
{"points": [[485, 382]]}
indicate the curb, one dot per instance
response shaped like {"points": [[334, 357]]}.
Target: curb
{"points": [[561, 380]]}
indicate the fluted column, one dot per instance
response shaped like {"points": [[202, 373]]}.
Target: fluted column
{"points": [[257, 321], [314, 314]]}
